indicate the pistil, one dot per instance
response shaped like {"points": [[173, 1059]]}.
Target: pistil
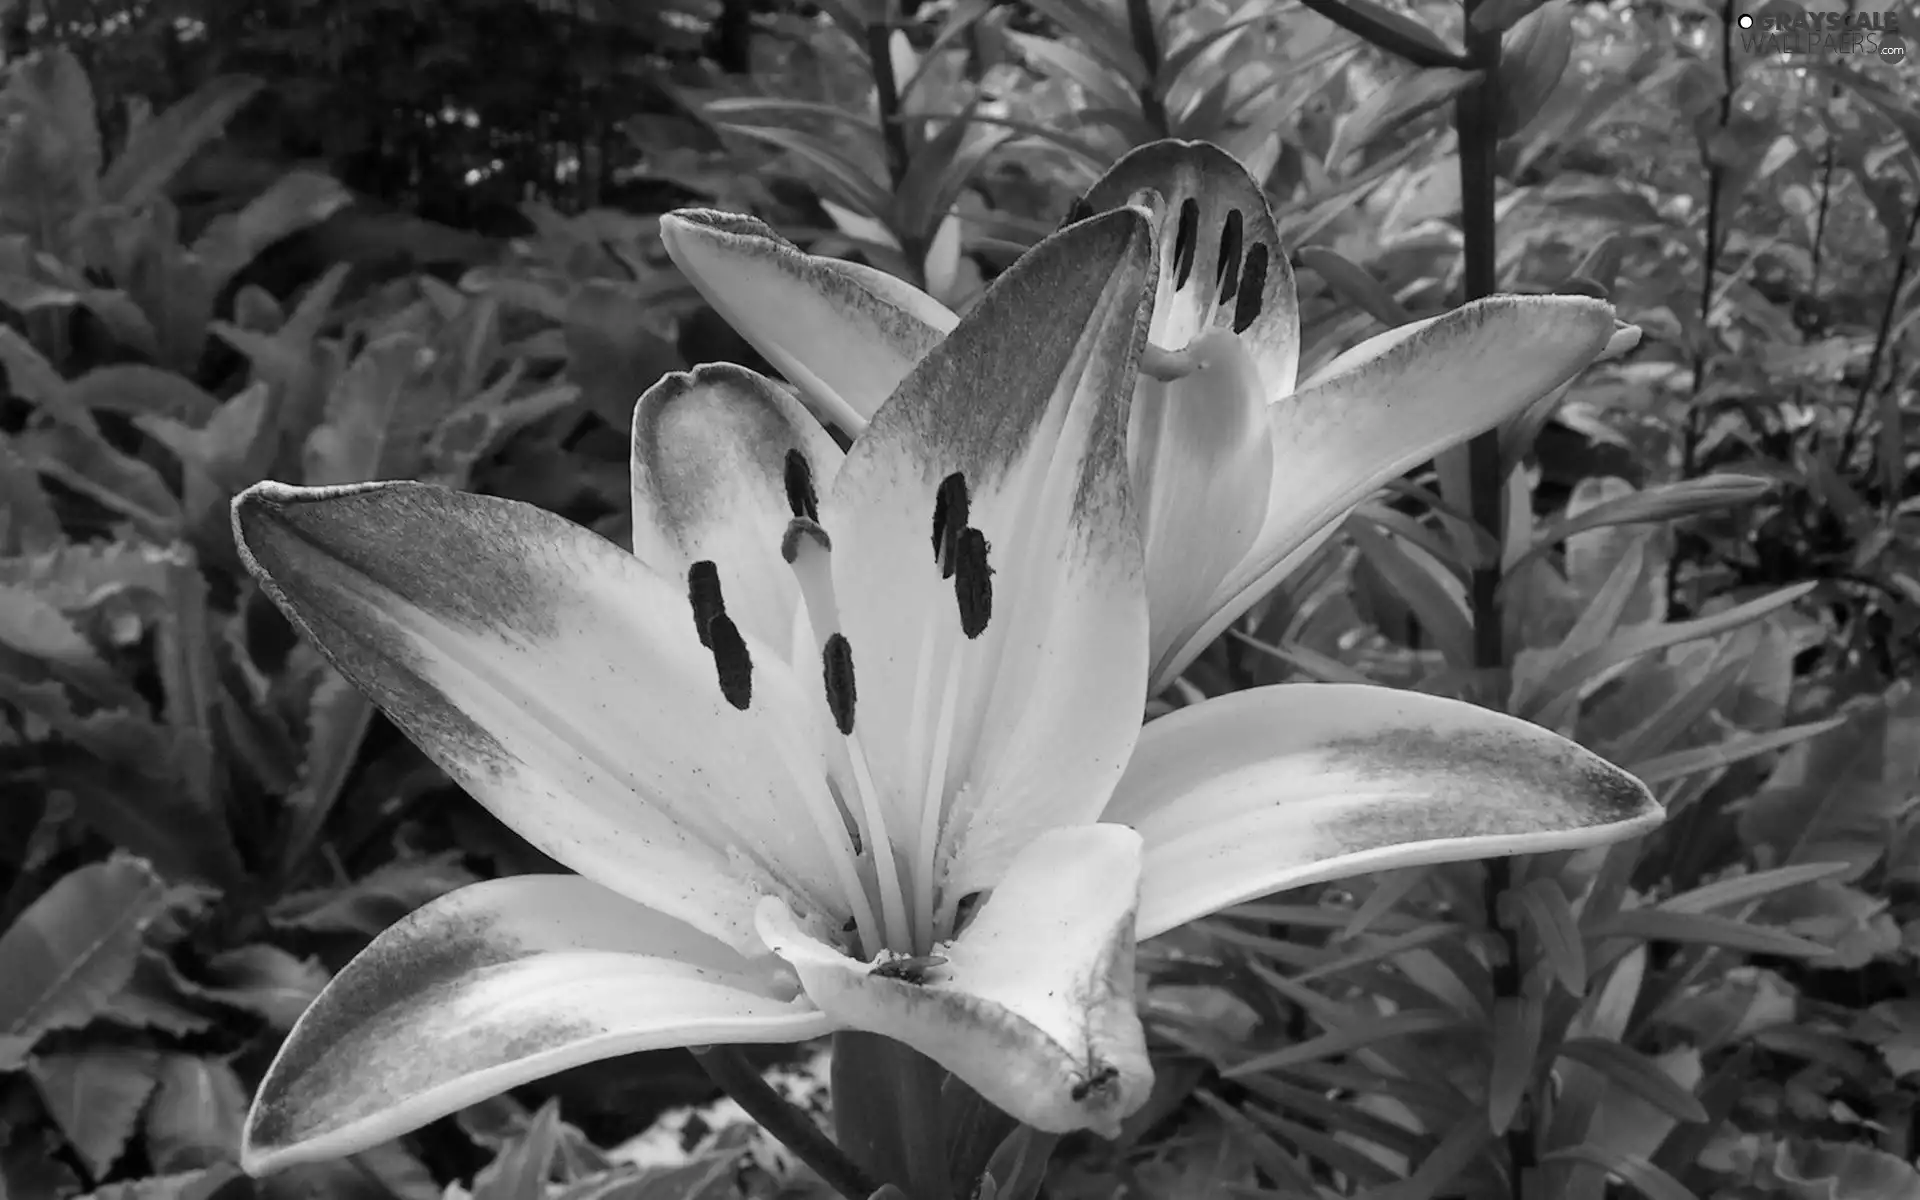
{"points": [[808, 550]]}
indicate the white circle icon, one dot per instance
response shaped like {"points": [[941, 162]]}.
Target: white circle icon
{"points": [[1745, 21]]}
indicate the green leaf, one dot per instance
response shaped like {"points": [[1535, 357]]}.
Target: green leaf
{"points": [[1346, 1041], [1534, 56], [28, 524], [522, 1168], [157, 149], [371, 903], [1653, 505], [338, 716], [1746, 889], [195, 1117], [1593, 667], [1515, 1038], [1699, 929], [1633, 1072], [1682, 763], [155, 998], [266, 981], [375, 426], [1386, 109], [1418, 581], [136, 389], [291, 203], [74, 948], [95, 1097], [1545, 909], [1356, 285], [1637, 1173], [35, 630], [611, 356]]}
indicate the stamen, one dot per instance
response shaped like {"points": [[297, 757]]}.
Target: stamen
{"points": [[703, 593], [829, 820], [893, 913], [973, 582], [837, 660], [801, 497], [934, 798], [950, 505], [808, 551], [1186, 240], [1253, 287], [802, 527], [731, 661], [1228, 279], [1167, 365]]}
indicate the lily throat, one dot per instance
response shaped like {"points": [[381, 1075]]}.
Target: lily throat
{"points": [[889, 871]]}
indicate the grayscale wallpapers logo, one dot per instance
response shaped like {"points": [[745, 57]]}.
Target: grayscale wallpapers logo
{"points": [[1783, 27]]}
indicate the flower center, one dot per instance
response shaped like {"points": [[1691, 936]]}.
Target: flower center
{"points": [[889, 885]]}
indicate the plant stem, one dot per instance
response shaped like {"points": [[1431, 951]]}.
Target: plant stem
{"points": [[1477, 117], [1887, 310], [1692, 430], [727, 1067], [893, 133], [1146, 43]]}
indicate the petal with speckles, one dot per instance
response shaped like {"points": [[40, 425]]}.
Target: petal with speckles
{"points": [[1276, 787], [1033, 1005], [496, 985], [1024, 723], [564, 685], [1222, 266], [844, 334], [723, 459]]}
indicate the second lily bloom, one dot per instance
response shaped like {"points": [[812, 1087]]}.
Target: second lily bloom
{"points": [[1240, 469]]}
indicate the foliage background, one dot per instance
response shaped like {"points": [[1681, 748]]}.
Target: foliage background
{"points": [[381, 238]]}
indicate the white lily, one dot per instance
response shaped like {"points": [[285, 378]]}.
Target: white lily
{"points": [[1240, 471], [849, 742]]}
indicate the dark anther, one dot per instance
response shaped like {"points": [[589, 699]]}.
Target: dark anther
{"points": [[798, 528], [1228, 278], [1186, 240], [949, 518], [837, 659], [1097, 1079], [731, 661], [703, 592], [1253, 287], [973, 582], [910, 969], [963, 911], [801, 497]]}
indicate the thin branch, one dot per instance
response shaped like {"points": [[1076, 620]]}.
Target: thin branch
{"points": [[1887, 310], [1388, 37], [727, 1067], [1146, 43]]}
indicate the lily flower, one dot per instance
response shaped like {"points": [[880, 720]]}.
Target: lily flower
{"points": [[850, 741], [1240, 469]]}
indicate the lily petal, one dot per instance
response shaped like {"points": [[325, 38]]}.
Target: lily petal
{"points": [[563, 685], [1033, 1004], [1202, 468], [716, 478], [1421, 393], [842, 336], [1221, 262], [1014, 681], [1276, 787], [495, 985]]}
